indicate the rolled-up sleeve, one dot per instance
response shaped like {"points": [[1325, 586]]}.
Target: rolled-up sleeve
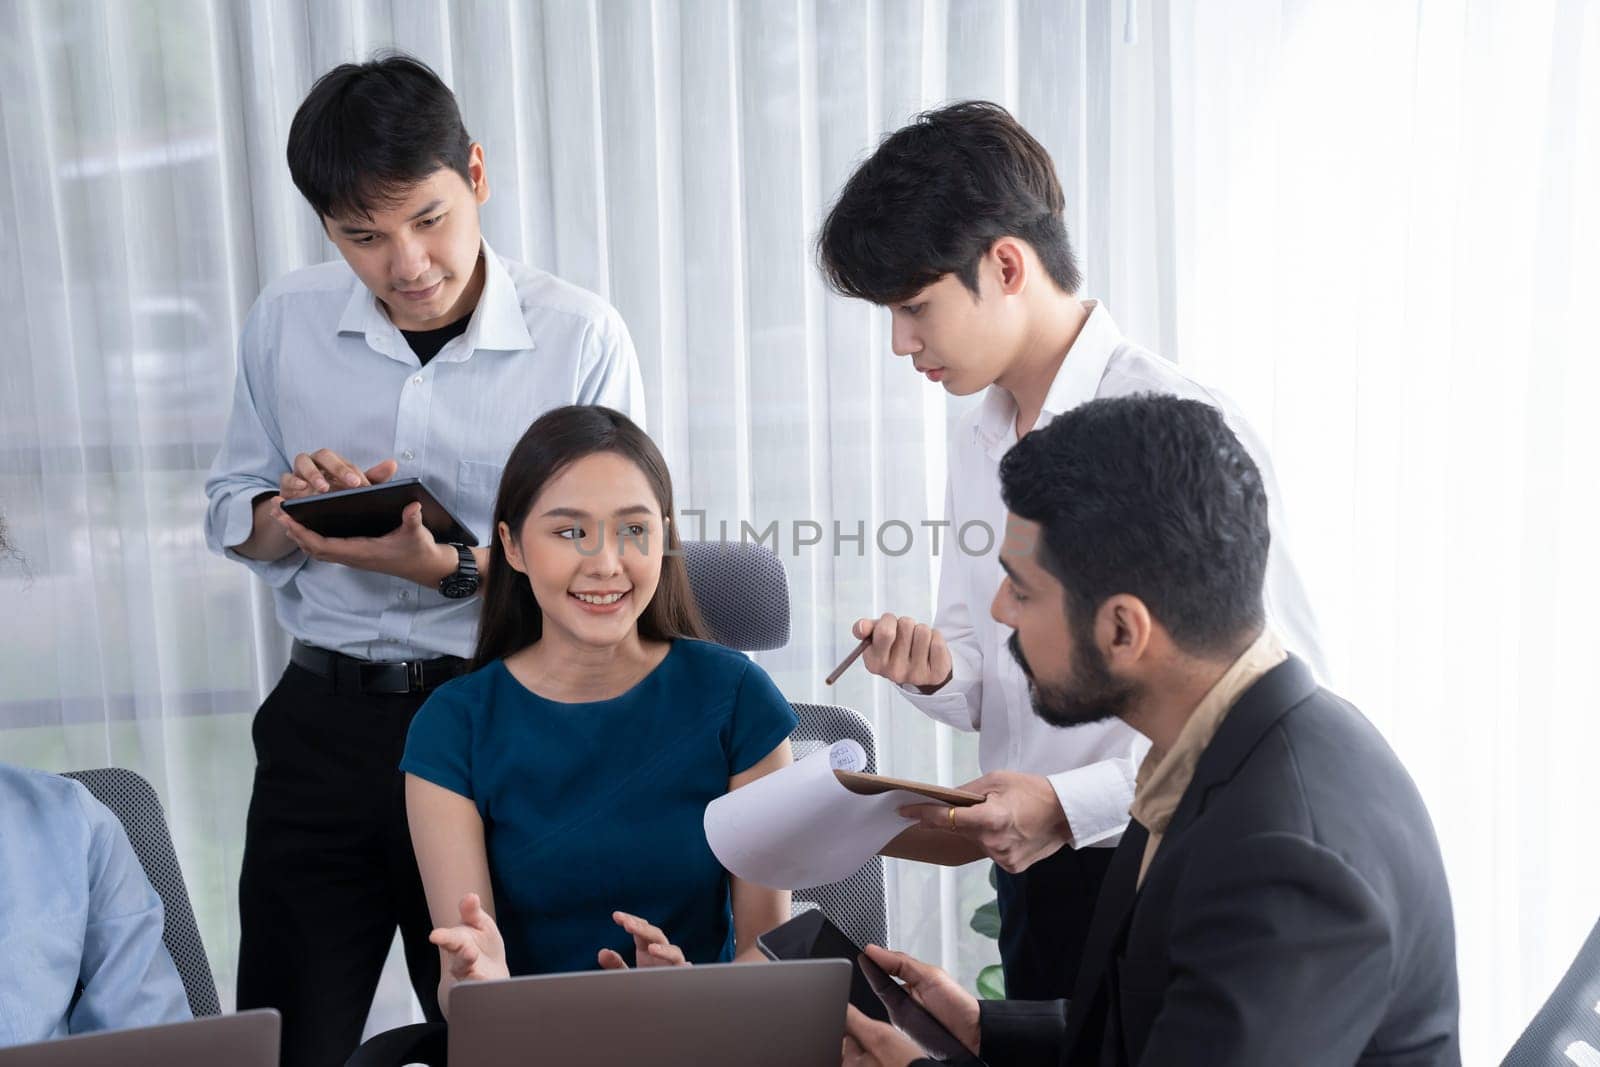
{"points": [[251, 459]]}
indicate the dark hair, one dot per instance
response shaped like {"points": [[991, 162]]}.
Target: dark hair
{"points": [[1151, 496], [935, 197], [557, 439], [367, 131]]}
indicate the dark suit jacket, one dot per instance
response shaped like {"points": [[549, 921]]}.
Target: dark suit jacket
{"points": [[1296, 912]]}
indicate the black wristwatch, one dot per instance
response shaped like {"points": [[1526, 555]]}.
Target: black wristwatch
{"points": [[463, 581]]}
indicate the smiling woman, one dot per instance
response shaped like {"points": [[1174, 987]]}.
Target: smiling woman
{"points": [[595, 727], [583, 512]]}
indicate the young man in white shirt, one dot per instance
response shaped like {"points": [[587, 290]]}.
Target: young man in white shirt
{"points": [[421, 354], [955, 224]]}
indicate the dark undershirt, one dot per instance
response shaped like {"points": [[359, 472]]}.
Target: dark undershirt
{"points": [[426, 343]]}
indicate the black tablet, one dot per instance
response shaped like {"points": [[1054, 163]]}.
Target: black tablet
{"points": [[374, 510], [916, 1021], [875, 993], [810, 936]]}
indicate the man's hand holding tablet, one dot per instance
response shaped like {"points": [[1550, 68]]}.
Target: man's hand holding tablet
{"points": [[409, 551], [887, 1024]]}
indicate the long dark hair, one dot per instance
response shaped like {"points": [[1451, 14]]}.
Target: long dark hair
{"points": [[557, 439]]}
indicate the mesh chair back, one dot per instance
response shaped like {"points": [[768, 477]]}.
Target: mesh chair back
{"points": [[744, 597], [856, 905], [1567, 1028], [742, 592], [137, 807]]}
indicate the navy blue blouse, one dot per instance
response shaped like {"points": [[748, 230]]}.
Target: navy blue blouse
{"points": [[597, 807]]}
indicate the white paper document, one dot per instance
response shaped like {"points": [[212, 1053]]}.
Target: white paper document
{"points": [[800, 827]]}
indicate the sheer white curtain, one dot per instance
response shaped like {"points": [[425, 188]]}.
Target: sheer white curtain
{"points": [[1373, 224], [674, 157], [1387, 221]]}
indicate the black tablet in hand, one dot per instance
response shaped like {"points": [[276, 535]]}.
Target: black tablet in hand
{"points": [[811, 936], [375, 510], [911, 1017]]}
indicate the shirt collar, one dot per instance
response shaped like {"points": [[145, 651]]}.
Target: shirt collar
{"points": [[1075, 383], [1161, 782], [362, 313], [498, 319], [497, 322]]}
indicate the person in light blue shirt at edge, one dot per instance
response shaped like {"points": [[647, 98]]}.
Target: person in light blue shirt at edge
{"points": [[76, 912], [556, 794]]}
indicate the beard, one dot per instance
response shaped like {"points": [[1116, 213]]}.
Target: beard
{"points": [[1090, 693]]}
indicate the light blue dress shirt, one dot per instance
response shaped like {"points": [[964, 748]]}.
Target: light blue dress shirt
{"points": [[75, 906], [321, 366]]}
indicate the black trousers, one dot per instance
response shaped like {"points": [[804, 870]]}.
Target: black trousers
{"points": [[1044, 921], [328, 869]]}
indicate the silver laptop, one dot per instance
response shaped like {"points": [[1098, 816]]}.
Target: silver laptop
{"points": [[248, 1039], [787, 1014]]}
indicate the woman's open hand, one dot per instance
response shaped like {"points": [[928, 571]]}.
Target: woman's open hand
{"points": [[472, 950], [650, 946]]}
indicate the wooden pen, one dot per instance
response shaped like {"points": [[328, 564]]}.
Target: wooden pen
{"points": [[866, 642]]}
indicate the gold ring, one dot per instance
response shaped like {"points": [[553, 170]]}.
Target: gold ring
{"points": [[952, 811]]}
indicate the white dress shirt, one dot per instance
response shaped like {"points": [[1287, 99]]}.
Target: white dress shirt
{"points": [[1092, 767], [322, 366]]}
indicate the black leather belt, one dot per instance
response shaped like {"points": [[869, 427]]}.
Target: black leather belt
{"points": [[361, 676]]}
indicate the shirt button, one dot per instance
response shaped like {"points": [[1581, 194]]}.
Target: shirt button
{"points": [[405, 594], [407, 455], [417, 380]]}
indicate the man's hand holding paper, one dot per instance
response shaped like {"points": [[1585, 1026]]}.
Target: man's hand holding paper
{"points": [[819, 820], [1019, 823]]}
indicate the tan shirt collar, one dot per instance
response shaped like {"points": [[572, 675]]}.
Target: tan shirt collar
{"points": [[1163, 780]]}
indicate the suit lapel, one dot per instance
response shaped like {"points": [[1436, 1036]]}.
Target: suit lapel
{"points": [[1086, 1012], [1261, 706]]}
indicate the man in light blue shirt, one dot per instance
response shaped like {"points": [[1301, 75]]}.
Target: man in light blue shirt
{"points": [[76, 910], [421, 353]]}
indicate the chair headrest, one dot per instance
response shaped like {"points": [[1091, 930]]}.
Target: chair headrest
{"points": [[742, 591]]}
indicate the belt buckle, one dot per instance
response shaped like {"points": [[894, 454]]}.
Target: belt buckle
{"points": [[414, 675]]}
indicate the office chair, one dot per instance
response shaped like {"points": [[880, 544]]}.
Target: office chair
{"points": [[1567, 1029], [856, 905], [137, 807], [742, 591], [743, 595]]}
